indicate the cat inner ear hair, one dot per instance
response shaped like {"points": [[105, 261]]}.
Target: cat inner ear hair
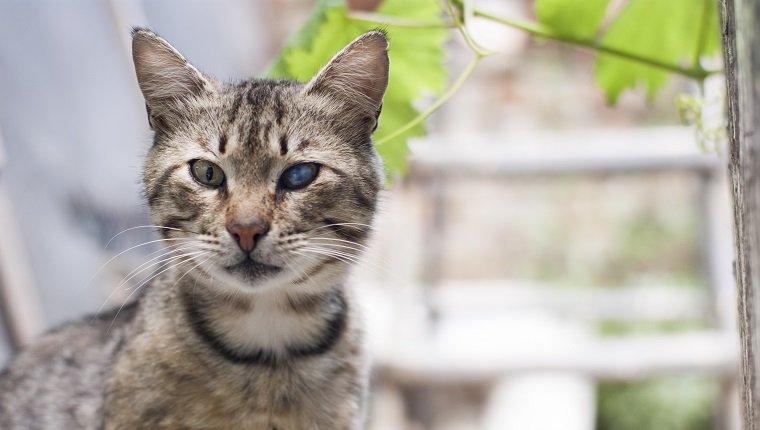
{"points": [[357, 75], [150, 117], [377, 118], [164, 75]]}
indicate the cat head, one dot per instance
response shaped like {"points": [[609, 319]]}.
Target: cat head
{"points": [[263, 183]]}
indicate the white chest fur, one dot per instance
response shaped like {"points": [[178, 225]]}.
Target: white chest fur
{"points": [[269, 325]]}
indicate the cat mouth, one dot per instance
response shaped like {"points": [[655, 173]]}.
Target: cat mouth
{"points": [[251, 269]]}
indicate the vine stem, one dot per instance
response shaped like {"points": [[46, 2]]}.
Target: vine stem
{"points": [[696, 72], [536, 30], [437, 104], [462, 26]]}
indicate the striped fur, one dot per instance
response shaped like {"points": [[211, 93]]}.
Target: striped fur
{"points": [[223, 339]]}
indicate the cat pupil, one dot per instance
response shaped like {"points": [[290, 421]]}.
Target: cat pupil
{"points": [[209, 173], [299, 175]]}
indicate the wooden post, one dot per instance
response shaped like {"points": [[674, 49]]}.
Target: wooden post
{"points": [[20, 309], [741, 50]]}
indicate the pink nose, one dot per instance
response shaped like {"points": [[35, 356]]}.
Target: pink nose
{"points": [[247, 235]]}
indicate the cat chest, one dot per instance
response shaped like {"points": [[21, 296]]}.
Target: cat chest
{"points": [[317, 396]]}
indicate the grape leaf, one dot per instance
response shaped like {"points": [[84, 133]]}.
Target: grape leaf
{"points": [[578, 19], [664, 30], [302, 38], [416, 56]]}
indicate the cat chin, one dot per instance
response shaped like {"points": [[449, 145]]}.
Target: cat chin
{"points": [[270, 279], [246, 278], [250, 271]]}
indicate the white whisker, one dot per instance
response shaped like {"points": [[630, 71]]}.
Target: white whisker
{"points": [[172, 247], [330, 253], [137, 288], [362, 249], [355, 225], [97, 272], [335, 245], [191, 269], [134, 273], [302, 274], [176, 248], [172, 258], [339, 240], [344, 256], [135, 228]]}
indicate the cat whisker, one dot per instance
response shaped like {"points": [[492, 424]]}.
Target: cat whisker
{"points": [[302, 274], [312, 256], [331, 256], [166, 260], [314, 259], [335, 245], [138, 227], [351, 242], [137, 288], [362, 249], [195, 284], [167, 251], [348, 250], [110, 260], [356, 225], [139, 270], [332, 247], [346, 256], [309, 278], [164, 248], [192, 268], [172, 248]]}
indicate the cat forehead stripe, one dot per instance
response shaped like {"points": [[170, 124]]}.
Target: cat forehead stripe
{"points": [[283, 145], [222, 143]]}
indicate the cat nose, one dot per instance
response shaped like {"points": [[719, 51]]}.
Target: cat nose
{"points": [[247, 234]]}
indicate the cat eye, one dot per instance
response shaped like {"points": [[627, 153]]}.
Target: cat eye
{"points": [[207, 173], [298, 176]]}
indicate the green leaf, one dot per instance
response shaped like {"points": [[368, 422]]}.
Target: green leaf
{"points": [[416, 56], [669, 31], [303, 37], [578, 19]]}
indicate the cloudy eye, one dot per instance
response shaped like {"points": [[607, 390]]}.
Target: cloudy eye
{"points": [[299, 176], [207, 173]]}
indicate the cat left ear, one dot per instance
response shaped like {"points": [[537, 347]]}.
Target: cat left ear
{"points": [[358, 74], [163, 73]]}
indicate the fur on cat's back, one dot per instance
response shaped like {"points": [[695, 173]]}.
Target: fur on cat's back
{"points": [[263, 192]]}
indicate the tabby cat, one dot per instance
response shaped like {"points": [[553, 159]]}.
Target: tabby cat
{"points": [[264, 191]]}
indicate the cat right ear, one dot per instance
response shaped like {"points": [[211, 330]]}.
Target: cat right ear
{"points": [[358, 74], [163, 74]]}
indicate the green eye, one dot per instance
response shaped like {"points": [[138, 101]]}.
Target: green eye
{"points": [[207, 173]]}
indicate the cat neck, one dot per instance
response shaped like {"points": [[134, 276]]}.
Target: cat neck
{"points": [[265, 327]]}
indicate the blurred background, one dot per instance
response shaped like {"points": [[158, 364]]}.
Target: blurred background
{"points": [[549, 262]]}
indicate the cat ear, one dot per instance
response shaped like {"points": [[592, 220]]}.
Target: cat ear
{"points": [[358, 74], [163, 73]]}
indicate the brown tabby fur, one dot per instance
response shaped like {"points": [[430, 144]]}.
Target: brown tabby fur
{"points": [[218, 341]]}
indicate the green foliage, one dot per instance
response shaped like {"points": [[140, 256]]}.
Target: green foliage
{"points": [[643, 45], [662, 36], [416, 56], [675, 403], [572, 18], [671, 32]]}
